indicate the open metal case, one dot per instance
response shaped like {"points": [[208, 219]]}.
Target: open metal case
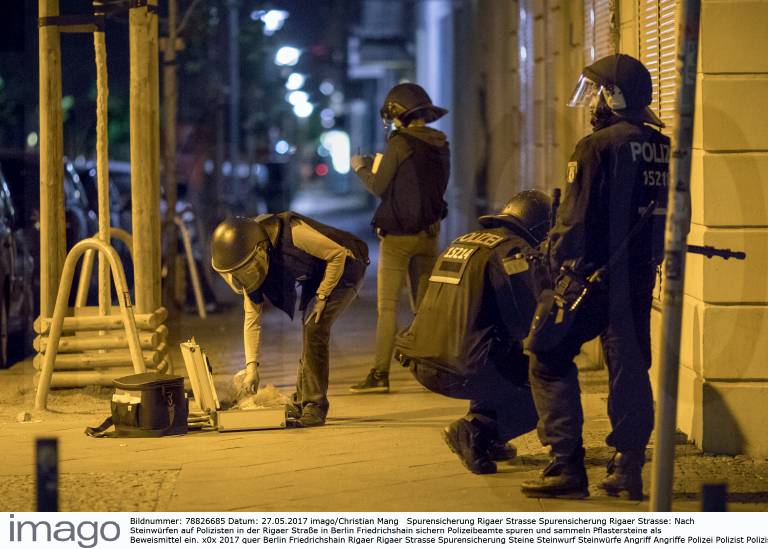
{"points": [[206, 406]]}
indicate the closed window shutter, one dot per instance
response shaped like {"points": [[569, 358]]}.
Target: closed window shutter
{"points": [[598, 36], [667, 62], [658, 48]]}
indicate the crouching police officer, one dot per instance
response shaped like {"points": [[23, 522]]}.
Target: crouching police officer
{"points": [[465, 339], [265, 257], [616, 174]]}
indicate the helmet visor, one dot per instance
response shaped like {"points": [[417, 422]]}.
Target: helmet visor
{"points": [[584, 92], [251, 275]]}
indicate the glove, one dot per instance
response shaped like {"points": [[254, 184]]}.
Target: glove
{"points": [[317, 312], [250, 383], [358, 161]]}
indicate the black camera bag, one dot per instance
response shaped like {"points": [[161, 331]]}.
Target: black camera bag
{"points": [[146, 405]]}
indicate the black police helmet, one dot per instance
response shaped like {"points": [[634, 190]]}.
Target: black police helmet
{"points": [[632, 78], [408, 101], [527, 213], [234, 242]]}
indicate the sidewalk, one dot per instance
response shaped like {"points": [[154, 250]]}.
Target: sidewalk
{"points": [[377, 452]]}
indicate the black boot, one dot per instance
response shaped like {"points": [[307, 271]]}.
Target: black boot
{"points": [[562, 478], [468, 441], [624, 477]]}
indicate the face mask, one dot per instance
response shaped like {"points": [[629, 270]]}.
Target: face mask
{"points": [[601, 114]]}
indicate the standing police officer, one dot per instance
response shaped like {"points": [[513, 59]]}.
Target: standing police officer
{"points": [[615, 173], [465, 339], [266, 257], [410, 180]]}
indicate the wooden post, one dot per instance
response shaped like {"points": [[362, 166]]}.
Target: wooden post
{"points": [[52, 227], [171, 194], [102, 166], [145, 191], [154, 151]]}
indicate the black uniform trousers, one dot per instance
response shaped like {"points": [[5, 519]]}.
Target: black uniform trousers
{"points": [[501, 404], [620, 315]]}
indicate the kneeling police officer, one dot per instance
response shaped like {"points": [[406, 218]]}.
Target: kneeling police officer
{"points": [[265, 258], [465, 339]]}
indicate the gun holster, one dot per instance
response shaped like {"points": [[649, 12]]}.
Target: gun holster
{"points": [[555, 311]]}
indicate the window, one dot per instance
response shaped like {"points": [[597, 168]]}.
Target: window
{"points": [[658, 47], [598, 30]]}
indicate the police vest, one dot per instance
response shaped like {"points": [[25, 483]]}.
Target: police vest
{"points": [[289, 265]]}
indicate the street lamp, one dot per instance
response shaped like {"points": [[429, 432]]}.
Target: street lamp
{"points": [[273, 19], [298, 97], [287, 56], [295, 81], [303, 110]]}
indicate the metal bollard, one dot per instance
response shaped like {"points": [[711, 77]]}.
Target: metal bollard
{"points": [[47, 471], [714, 497]]}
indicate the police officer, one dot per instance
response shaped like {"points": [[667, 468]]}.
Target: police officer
{"points": [[465, 339], [410, 180], [265, 258], [615, 173]]}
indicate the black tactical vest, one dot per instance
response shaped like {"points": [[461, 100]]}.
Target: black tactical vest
{"points": [[290, 266]]}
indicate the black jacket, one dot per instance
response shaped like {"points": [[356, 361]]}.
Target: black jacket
{"points": [[289, 265], [478, 305], [411, 181], [612, 176]]}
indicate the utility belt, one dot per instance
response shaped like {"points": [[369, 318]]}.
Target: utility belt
{"points": [[556, 308], [431, 230]]}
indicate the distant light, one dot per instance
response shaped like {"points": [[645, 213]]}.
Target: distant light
{"points": [[287, 56], [282, 147], [327, 123], [322, 151], [523, 53], [303, 110], [337, 98], [295, 81], [243, 170], [298, 97], [327, 87], [32, 140], [337, 142], [67, 102], [226, 168], [321, 170], [273, 21], [327, 114]]}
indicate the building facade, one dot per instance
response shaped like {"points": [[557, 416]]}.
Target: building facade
{"points": [[506, 68]]}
